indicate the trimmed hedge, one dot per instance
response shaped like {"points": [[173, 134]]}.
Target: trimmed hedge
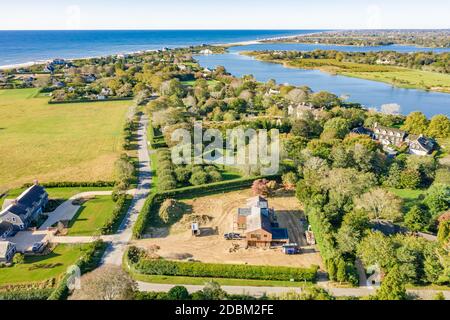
{"points": [[235, 271], [89, 100], [155, 198], [119, 209], [71, 184], [35, 294], [142, 219]]}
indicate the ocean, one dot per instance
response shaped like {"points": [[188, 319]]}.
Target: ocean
{"points": [[18, 47]]}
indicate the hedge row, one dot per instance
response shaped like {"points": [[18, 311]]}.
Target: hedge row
{"points": [[143, 217], [155, 198], [35, 294], [87, 262], [119, 209], [67, 184], [197, 269], [89, 100]]}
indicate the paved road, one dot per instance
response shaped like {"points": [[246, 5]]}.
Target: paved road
{"points": [[259, 291], [116, 248]]}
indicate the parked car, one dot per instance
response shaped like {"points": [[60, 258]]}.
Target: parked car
{"points": [[232, 236]]}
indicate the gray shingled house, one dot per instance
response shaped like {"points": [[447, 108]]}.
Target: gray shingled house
{"points": [[26, 208]]}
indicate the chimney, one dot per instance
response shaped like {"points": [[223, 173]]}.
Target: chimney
{"points": [[36, 182]]}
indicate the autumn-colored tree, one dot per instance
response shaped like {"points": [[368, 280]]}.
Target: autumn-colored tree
{"points": [[106, 283]]}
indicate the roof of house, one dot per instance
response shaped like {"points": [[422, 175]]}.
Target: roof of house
{"points": [[362, 130], [25, 200], [4, 245], [258, 220], [257, 201], [423, 142], [388, 129], [279, 234], [31, 195], [5, 226]]}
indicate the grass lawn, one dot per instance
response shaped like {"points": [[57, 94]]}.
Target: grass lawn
{"points": [[92, 216], [41, 268], [63, 142], [398, 76], [410, 197], [221, 281], [192, 82], [407, 78]]}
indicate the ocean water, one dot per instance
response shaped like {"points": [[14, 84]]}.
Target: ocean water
{"points": [[29, 46]]}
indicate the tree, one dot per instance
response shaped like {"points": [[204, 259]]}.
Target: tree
{"points": [[106, 283], [410, 179], [347, 239], [178, 293], [393, 179], [377, 249], [439, 127], [339, 127], [211, 291], [444, 232], [260, 188], [416, 219], [289, 180], [437, 198], [380, 204], [341, 271], [392, 287], [325, 99], [415, 123], [198, 178], [331, 268]]}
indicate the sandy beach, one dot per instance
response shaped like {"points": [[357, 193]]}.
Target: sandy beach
{"points": [[227, 45]]}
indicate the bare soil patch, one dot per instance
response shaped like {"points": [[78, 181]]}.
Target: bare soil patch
{"points": [[216, 215]]}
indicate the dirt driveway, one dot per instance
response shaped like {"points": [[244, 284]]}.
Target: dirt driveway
{"points": [[177, 241]]}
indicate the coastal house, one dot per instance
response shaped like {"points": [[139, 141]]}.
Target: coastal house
{"points": [[26, 208], [258, 222], [89, 78], [418, 145], [7, 251], [297, 111], [206, 51]]}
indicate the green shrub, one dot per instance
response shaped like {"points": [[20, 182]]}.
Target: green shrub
{"points": [[197, 269], [33, 294]]}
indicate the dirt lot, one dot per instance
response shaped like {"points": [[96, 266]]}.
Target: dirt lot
{"points": [[177, 241]]}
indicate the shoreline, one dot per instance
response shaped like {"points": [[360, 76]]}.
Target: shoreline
{"points": [[226, 45]]}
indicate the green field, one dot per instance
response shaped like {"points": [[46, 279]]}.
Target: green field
{"points": [[406, 78], [41, 268], [92, 216], [398, 76], [70, 142]]}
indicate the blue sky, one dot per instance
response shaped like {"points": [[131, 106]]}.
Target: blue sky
{"points": [[223, 14]]}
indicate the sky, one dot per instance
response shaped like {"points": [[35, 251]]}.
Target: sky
{"points": [[224, 14]]}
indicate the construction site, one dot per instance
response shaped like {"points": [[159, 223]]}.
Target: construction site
{"points": [[237, 227]]}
